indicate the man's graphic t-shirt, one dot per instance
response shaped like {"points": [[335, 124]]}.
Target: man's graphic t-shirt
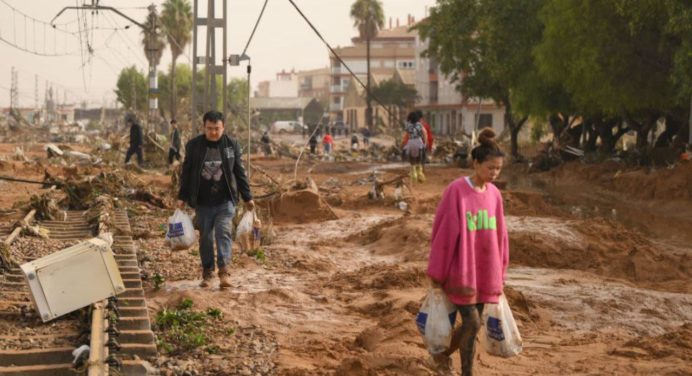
{"points": [[213, 189]]}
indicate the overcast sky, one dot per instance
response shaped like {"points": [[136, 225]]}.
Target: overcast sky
{"points": [[283, 41]]}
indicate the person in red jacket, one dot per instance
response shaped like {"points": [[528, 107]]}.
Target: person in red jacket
{"points": [[328, 143]]}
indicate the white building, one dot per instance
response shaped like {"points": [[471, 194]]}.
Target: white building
{"points": [[393, 48], [284, 86], [447, 111]]}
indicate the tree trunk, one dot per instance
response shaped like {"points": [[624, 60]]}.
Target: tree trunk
{"points": [[514, 128], [173, 89], [665, 139], [591, 136], [605, 132], [368, 110], [556, 124], [643, 131]]}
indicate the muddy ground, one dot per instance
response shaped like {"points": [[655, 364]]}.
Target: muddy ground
{"points": [[599, 279]]}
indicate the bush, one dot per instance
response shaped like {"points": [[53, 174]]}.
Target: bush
{"points": [[183, 329]]}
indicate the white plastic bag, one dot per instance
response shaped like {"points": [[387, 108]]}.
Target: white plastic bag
{"points": [[435, 320], [248, 231], [181, 233], [502, 337]]}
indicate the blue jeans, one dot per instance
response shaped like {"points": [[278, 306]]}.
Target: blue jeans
{"points": [[215, 224]]}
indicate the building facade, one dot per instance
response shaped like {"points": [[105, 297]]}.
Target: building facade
{"points": [[314, 84], [284, 86], [393, 48], [447, 111]]}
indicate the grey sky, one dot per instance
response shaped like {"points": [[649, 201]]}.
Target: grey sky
{"points": [[283, 41]]}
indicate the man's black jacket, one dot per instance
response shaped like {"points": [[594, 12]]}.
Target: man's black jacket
{"points": [[136, 136], [231, 163], [175, 140]]}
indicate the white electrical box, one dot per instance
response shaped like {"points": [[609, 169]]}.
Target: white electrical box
{"points": [[73, 278]]}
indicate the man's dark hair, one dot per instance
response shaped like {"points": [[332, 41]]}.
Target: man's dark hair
{"points": [[419, 113], [212, 116], [173, 121]]}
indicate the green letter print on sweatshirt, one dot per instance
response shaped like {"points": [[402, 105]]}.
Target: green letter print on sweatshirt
{"points": [[480, 221]]}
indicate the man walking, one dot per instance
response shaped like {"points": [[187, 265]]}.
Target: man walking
{"points": [[136, 140], [212, 176], [174, 149]]}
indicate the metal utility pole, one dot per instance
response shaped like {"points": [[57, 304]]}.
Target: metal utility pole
{"points": [[152, 54], [208, 61], [36, 106], [689, 138], [14, 90]]}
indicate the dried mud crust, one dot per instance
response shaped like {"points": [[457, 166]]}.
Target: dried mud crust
{"points": [[601, 246], [637, 183], [303, 206]]}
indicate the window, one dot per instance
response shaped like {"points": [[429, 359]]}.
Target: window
{"points": [[406, 64], [485, 120], [434, 89]]}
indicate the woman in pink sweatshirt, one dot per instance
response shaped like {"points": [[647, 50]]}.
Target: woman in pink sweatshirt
{"points": [[469, 250]]}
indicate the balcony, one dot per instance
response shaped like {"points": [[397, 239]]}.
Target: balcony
{"points": [[336, 69], [337, 89]]}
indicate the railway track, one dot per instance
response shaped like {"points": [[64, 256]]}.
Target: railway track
{"points": [[119, 328]]}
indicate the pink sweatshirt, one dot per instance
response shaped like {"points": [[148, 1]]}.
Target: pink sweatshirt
{"points": [[469, 250]]}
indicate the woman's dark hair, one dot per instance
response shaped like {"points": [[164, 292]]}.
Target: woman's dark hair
{"points": [[487, 147], [413, 117]]}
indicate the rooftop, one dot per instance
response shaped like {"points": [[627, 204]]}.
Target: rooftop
{"points": [[280, 103]]}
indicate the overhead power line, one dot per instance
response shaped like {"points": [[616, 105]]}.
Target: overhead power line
{"points": [[255, 28], [369, 92], [26, 24]]}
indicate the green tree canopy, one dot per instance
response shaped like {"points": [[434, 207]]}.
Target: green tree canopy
{"points": [[394, 92], [132, 89], [486, 47], [177, 25]]}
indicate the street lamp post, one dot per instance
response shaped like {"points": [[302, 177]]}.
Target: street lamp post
{"points": [[234, 60]]}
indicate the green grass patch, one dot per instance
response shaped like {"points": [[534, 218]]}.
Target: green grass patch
{"points": [[183, 329]]}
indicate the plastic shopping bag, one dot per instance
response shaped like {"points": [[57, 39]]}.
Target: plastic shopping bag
{"points": [[502, 336], [248, 232], [181, 234], [435, 321]]}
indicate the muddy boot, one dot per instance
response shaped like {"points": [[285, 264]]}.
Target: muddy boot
{"points": [[421, 175], [224, 278], [207, 276], [414, 174]]}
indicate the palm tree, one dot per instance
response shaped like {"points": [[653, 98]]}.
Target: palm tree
{"points": [[177, 24], [153, 41], [368, 17]]}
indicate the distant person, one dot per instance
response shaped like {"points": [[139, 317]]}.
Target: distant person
{"points": [[266, 144], [313, 143], [414, 144], [212, 176], [174, 149], [136, 141], [366, 136], [469, 251], [429, 141], [327, 143], [355, 144]]}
